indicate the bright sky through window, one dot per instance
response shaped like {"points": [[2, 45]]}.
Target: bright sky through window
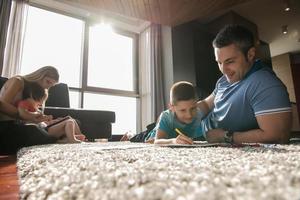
{"points": [[53, 39], [110, 63]]}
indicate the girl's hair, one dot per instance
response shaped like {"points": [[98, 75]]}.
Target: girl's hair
{"points": [[182, 91], [35, 91], [47, 71]]}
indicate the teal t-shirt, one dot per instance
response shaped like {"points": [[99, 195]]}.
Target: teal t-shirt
{"points": [[168, 123]]}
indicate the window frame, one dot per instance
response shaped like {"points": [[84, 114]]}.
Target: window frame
{"points": [[83, 87]]}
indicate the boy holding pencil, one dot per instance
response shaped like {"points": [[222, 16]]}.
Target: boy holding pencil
{"points": [[181, 123]]}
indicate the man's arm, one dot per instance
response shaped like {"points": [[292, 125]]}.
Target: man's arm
{"points": [[207, 104], [273, 128]]}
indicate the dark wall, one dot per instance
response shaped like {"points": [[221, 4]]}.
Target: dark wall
{"points": [[263, 53], [207, 71], [183, 53], [295, 67], [193, 57]]}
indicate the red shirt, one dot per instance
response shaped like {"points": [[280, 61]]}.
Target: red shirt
{"points": [[26, 105]]}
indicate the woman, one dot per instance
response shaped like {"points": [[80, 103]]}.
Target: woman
{"points": [[13, 134]]}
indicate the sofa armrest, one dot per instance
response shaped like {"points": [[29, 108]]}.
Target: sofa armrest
{"points": [[93, 123]]}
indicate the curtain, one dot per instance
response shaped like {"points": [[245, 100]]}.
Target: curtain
{"points": [[157, 83], [151, 75], [5, 7], [13, 50], [145, 79]]}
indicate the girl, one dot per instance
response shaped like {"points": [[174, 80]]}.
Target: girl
{"points": [[62, 128]]}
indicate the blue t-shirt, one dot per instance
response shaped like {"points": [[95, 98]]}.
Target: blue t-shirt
{"points": [[236, 105], [168, 122]]}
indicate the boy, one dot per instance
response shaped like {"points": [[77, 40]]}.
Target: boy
{"points": [[181, 123]]}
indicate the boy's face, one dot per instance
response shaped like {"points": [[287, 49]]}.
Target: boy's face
{"points": [[185, 110]]}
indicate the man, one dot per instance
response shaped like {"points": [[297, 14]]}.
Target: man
{"points": [[249, 104]]}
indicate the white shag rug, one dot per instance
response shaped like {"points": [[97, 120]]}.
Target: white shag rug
{"points": [[141, 171]]}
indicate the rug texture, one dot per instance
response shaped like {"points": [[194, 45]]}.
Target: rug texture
{"points": [[141, 171]]}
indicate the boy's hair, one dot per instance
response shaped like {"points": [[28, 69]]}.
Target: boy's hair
{"points": [[182, 91], [35, 91], [235, 34]]}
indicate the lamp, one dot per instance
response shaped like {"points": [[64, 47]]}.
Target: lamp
{"points": [[287, 6], [284, 29]]}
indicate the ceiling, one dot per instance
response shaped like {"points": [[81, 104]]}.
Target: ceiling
{"points": [[268, 15], [166, 12]]}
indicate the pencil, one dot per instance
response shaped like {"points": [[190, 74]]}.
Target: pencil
{"points": [[179, 132]]}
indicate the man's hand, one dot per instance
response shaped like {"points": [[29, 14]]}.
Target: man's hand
{"points": [[215, 136]]}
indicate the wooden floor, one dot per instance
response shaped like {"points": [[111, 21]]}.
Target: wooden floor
{"points": [[9, 186]]}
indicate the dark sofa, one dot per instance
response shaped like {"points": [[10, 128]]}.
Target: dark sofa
{"points": [[93, 123]]}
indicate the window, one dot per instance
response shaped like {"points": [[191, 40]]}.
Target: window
{"points": [[53, 39], [110, 59], [124, 107], [96, 61]]}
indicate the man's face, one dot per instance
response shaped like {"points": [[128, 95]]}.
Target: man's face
{"points": [[233, 63], [185, 110]]}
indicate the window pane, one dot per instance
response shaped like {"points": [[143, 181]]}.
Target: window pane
{"points": [[74, 99], [124, 108], [53, 39], [110, 63]]}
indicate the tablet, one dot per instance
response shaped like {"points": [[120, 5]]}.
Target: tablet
{"points": [[59, 121]]}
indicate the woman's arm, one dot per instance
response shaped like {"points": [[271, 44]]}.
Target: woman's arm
{"points": [[29, 116], [7, 108], [12, 87]]}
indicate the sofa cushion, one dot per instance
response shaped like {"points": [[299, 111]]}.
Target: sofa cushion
{"points": [[93, 123], [94, 115], [58, 96]]}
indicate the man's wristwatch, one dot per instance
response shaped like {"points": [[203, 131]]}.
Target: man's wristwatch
{"points": [[228, 137]]}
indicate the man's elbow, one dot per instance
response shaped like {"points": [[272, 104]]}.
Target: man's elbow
{"points": [[285, 137], [278, 137]]}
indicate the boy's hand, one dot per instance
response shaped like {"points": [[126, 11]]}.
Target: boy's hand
{"points": [[150, 141], [180, 139]]}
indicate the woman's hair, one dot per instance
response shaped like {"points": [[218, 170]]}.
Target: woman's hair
{"points": [[235, 34], [47, 71], [182, 91], [35, 91]]}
